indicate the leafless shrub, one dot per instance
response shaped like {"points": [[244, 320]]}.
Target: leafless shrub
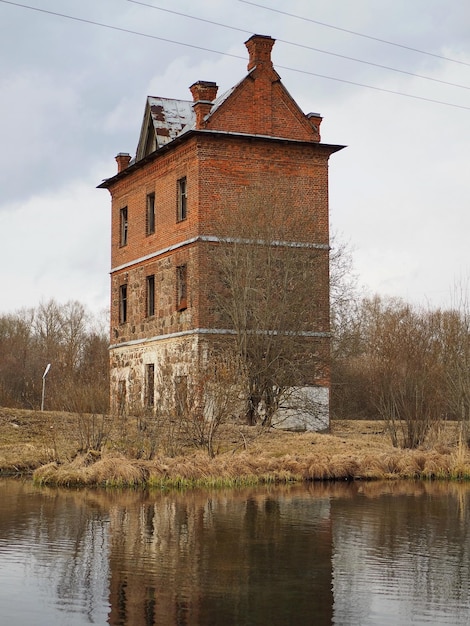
{"points": [[211, 399], [403, 366], [93, 430]]}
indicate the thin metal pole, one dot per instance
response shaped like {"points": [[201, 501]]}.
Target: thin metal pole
{"points": [[48, 367], [43, 391]]}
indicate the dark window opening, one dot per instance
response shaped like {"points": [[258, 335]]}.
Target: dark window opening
{"points": [[151, 142], [123, 304], [182, 209], [150, 213], [181, 287], [123, 226], [150, 385], [150, 296]]}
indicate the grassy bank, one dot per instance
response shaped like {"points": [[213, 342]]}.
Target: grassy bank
{"points": [[47, 446]]}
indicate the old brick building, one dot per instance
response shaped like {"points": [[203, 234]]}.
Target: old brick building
{"points": [[170, 205]]}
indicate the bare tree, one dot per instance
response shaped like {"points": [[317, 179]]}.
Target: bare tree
{"points": [[74, 333], [17, 367], [48, 329], [455, 331], [273, 297], [66, 336], [344, 293], [348, 391], [405, 369]]}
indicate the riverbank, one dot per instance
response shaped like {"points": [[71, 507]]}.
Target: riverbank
{"points": [[50, 447]]}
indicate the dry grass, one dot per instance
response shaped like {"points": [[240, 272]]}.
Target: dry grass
{"points": [[47, 444]]}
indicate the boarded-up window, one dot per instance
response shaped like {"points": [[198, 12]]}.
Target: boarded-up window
{"points": [[121, 397], [181, 395], [181, 287]]}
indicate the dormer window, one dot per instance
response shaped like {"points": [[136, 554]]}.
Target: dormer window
{"points": [[151, 141]]}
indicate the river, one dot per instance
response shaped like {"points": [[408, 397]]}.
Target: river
{"points": [[384, 553]]}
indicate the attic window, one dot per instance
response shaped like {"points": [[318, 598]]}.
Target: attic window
{"points": [[151, 142]]}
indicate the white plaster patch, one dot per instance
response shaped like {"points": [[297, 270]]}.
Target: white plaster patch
{"points": [[304, 409]]}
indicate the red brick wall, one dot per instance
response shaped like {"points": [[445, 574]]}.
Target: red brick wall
{"points": [[236, 181], [160, 177], [224, 175], [260, 105], [231, 169]]}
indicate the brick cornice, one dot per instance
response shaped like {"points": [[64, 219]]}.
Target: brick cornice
{"points": [[207, 331], [214, 239], [320, 147]]}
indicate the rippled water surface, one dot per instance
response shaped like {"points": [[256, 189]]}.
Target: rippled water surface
{"points": [[358, 554]]}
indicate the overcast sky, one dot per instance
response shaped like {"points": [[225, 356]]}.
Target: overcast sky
{"points": [[73, 95]]}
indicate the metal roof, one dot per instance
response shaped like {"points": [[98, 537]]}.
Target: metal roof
{"points": [[169, 117]]}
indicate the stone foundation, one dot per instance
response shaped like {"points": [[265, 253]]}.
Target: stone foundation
{"points": [[146, 374]]}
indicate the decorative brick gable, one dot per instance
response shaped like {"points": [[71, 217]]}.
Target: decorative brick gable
{"points": [[260, 104]]}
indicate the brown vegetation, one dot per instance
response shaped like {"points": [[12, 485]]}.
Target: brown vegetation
{"points": [[49, 445], [406, 365], [68, 337]]}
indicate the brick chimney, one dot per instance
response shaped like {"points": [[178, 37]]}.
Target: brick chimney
{"points": [[315, 120], [259, 48], [123, 159], [204, 93]]}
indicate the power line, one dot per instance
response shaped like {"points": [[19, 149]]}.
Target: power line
{"points": [[391, 91], [303, 46], [235, 56], [191, 17], [118, 28], [352, 32]]}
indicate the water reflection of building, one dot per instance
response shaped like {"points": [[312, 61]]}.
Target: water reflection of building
{"points": [[221, 559], [343, 554]]}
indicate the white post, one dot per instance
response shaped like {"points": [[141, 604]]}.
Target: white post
{"points": [[48, 367]]}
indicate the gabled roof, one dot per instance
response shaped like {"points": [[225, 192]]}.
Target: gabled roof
{"points": [[257, 106]]}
